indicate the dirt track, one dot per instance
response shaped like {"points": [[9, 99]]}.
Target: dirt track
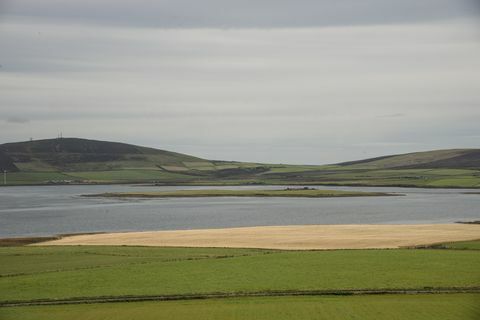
{"points": [[287, 237]]}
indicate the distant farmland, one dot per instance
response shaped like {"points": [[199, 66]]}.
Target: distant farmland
{"points": [[74, 161]]}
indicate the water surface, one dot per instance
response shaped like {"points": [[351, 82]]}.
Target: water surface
{"points": [[50, 210]]}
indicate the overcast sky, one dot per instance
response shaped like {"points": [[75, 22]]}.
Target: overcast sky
{"points": [[280, 81]]}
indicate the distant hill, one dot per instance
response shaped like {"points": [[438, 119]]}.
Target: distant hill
{"points": [[452, 158], [7, 163], [73, 160], [73, 154]]}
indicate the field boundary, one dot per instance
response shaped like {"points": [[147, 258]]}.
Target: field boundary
{"points": [[175, 297]]}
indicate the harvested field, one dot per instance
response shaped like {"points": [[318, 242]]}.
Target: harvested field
{"points": [[288, 237]]}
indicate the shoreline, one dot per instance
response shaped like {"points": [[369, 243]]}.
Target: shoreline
{"points": [[212, 184]]}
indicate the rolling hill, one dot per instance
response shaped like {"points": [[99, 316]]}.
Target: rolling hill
{"points": [[72, 154], [73, 160], [452, 158]]}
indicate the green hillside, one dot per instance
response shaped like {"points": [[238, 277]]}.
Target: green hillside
{"points": [[452, 158], [73, 160], [457, 168]]}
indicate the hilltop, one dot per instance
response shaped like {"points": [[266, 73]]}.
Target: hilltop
{"points": [[81, 160], [73, 154], [74, 160]]}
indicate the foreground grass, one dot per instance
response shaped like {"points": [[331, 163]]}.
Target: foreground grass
{"points": [[29, 273], [37, 260], [66, 272], [391, 307], [302, 193]]}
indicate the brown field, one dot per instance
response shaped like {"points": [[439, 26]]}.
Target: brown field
{"points": [[287, 237]]}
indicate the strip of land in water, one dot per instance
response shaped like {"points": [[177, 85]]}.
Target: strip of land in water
{"points": [[309, 237], [300, 193]]}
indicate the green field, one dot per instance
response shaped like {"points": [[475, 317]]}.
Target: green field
{"points": [[427, 178], [99, 273], [387, 307], [119, 271], [36, 260], [289, 175], [298, 193]]}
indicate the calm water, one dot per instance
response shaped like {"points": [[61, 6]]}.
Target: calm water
{"points": [[49, 210]]}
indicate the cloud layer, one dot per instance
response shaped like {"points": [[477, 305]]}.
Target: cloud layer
{"points": [[277, 91], [242, 13]]}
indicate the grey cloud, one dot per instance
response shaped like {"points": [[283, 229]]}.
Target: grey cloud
{"points": [[17, 120], [298, 95], [242, 13], [393, 115]]}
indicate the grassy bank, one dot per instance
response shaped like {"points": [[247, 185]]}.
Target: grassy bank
{"points": [[299, 193]]}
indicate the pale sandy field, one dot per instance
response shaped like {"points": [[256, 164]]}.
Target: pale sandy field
{"points": [[287, 237]]}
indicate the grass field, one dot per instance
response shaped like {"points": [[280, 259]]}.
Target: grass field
{"points": [[35, 260], [128, 175], [119, 271], [336, 175], [391, 307], [96, 273], [274, 175], [300, 193]]}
